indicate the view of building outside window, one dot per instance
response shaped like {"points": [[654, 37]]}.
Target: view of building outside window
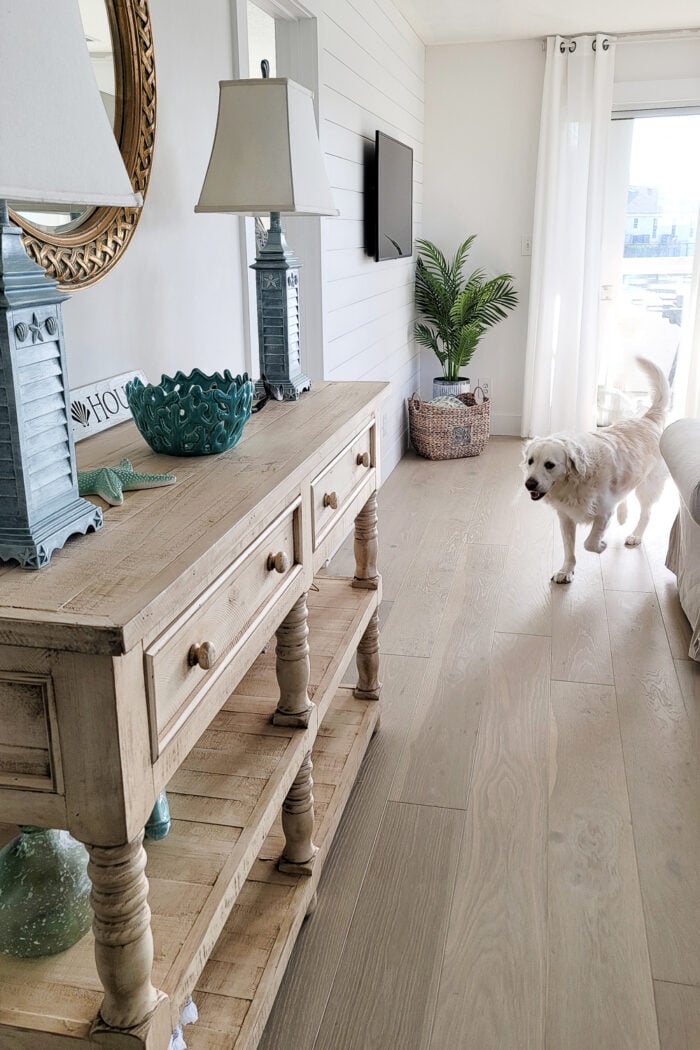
{"points": [[653, 197]]}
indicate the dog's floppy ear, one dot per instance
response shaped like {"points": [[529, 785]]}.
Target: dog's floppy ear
{"points": [[526, 445], [577, 456]]}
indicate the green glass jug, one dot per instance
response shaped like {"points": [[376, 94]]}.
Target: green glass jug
{"points": [[44, 893]]}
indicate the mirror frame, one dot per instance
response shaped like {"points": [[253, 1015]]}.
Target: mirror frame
{"points": [[81, 257]]}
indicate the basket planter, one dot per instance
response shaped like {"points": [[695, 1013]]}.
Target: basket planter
{"points": [[439, 432], [450, 387]]}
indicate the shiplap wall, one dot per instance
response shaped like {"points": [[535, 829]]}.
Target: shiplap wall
{"points": [[371, 77]]}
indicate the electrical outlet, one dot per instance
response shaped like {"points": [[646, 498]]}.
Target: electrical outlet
{"points": [[526, 245], [485, 385]]}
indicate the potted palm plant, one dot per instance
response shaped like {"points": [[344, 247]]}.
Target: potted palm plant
{"points": [[456, 312]]}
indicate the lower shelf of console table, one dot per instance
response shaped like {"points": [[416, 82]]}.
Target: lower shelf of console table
{"points": [[224, 918]]}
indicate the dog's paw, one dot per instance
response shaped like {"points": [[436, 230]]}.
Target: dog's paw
{"points": [[563, 577], [633, 541], [596, 547]]}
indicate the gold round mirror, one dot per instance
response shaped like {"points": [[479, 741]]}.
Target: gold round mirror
{"points": [[78, 248]]}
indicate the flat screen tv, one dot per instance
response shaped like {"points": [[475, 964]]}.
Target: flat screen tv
{"points": [[393, 198]]}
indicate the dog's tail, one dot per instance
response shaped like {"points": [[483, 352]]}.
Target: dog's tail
{"points": [[661, 393]]}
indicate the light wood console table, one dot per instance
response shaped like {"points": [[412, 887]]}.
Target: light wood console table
{"points": [[139, 660]]}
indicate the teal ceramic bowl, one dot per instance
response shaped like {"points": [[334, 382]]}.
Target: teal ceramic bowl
{"points": [[194, 415]]}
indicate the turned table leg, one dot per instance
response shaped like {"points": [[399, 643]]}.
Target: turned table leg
{"points": [[368, 685], [292, 665], [366, 546], [298, 824], [366, 576], [122, 928]]}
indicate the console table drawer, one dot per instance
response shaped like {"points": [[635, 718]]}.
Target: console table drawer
{"points": [[183, 661], [336, 485], [29, 755]]}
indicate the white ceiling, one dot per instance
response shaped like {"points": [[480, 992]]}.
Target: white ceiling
{"points": [[457, 21]]}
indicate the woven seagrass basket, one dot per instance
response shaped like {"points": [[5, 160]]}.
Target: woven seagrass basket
{"points": [[439, 432]]}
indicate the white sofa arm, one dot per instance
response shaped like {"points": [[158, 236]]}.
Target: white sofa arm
{"points": [[680, 447]]}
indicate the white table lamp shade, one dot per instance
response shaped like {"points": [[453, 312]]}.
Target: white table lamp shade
{"points": [[56, 142], [266, 155]]}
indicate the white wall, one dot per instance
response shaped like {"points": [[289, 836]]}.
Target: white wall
{"points": [[482, 117], [371, 77], [174, 299], [660, 71]]}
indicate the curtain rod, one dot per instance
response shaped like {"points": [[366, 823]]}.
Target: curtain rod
{"points": [[643, 37], [660, 34]]}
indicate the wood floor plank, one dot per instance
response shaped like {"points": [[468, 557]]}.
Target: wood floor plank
{"points": [[406, 504], [302, 998], [688, 672], [580, 639], [526, 596], [624, 568], [678, 1009], [451, 486], [494, 514], [660, 744], [436, 763], [419, 608], [678, 629], [600, 991], [413, 497], [385, 997], [493, 980]]}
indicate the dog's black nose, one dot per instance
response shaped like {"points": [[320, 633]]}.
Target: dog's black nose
{"points": [[531, 484]]}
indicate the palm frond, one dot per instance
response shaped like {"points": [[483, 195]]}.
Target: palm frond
{"points": [[497, 297], [469, 337], [427, 338]]}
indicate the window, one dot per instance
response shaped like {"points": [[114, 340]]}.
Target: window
{"points": [[647, 259], [261, 40]]}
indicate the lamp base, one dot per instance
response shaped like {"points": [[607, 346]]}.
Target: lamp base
{"points": [[32, 546], [40, 506], [291, 387], [277, 281]]}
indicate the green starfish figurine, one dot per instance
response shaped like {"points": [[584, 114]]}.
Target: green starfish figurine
{"points": [[111, 482]]}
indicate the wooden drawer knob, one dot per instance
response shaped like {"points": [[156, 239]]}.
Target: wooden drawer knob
{"points": [[203, 656], [363, 459], [279, 562], [331, 500]]}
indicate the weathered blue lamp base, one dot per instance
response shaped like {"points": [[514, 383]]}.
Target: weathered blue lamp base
{"points": [[32, 547], [40, 506], [277, 280]]}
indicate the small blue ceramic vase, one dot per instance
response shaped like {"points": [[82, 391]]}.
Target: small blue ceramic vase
{"points": [[158, 824]]}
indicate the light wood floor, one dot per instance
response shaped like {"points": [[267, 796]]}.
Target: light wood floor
{"points": [[519, 865]]}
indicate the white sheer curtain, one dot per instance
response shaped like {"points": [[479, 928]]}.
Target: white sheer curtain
{"points": [[562, 353], [688, 375]]}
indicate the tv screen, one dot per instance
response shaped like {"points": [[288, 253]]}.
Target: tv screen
{"points": [[394, 199]]}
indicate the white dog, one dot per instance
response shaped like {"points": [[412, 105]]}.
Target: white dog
{"points": [[585, 476]]}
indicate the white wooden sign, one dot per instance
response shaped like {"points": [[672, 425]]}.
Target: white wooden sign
{"points": [[100, 405]]}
